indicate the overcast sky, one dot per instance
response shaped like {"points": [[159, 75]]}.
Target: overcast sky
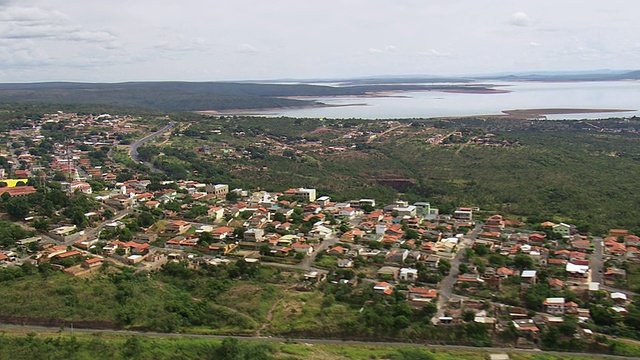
{"points": [[201, 40]]}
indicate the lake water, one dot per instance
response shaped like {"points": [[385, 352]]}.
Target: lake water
{"points": [[522, 95]]}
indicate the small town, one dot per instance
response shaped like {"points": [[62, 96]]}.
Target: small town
{"points": [[525, 280]]}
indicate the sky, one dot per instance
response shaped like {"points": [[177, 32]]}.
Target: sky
{"points": [[208, 40]]}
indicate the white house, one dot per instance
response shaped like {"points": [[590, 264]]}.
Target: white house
{"points": [[409, 274]]}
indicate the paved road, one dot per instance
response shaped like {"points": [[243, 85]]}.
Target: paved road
{"points": [[92, 233], [324, 245], [133, 148], [305, 341], [446, 285], [596, 260]]}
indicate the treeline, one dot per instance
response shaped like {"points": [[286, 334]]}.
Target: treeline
{"points": [[96, 346]]}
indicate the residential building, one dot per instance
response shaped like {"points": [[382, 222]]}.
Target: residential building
{"points": [[177, 227], [219, 190]]}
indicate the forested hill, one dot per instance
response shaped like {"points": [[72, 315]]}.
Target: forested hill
{"points": [[193, 96]]}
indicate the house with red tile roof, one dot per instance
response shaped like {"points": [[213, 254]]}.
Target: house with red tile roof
{"points": [[18, 191], [94, 262], [177, 227], [556, 284], [383, 287], [632, 240], [618, 232], [505, 272], [68, 254], [419, 296]]}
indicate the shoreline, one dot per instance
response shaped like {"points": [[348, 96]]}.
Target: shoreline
{"points": [[560, 111]]}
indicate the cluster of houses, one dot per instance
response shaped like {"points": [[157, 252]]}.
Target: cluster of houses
{"points": [[70, 158]]}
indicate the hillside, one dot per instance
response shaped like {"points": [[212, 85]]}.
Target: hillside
{"points": [[562, 170]]}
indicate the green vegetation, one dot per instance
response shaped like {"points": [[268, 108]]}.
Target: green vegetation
{"points": [[108, 346], [10, 232]]}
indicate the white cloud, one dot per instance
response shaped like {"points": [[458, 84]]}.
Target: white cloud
{"points": [[246, 49], [520, 19], [182, 44], [38, 23], [386, 49], [248, 39], [436, 53]]}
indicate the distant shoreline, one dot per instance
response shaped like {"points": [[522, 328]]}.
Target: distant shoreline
{"points": [[264, 111], [372, 94], [559, 111]]}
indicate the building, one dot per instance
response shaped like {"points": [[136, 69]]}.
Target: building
{"points": [[219, 190], [563, 229], [18, 190], [409, 274], [81, 186], [92, 263], [529, 277], [308, 195], [463, 214], [405, 211], [554, 305], [254, 234], [177, 227]]}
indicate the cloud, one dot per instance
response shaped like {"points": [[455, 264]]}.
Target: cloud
{"points": [[386, 49], [182, 44], [38, 23], [434, 52], [520, 19], [246, 49], [534, 44]]}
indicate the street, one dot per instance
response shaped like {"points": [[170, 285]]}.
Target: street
{"points": [[446, 285], [133, 148], [596, 264]]}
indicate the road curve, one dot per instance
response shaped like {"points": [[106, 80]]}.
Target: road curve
{"points": [[133, 147]]}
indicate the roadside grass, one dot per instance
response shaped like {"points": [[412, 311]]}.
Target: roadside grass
{"points": [[252, 299], [18, 344], [59, 296], [326, 262], [633, 277]]}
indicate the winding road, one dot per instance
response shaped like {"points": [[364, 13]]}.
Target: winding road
{"points": [[133, 148]]}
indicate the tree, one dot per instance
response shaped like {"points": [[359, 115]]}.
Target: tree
{"points": [[463, 268], [41, 224], [522, 261], [239, 232], [444, 266], [468, 315], [232, 196], [18, 207], [206, 237], [278, 216], [481, 250], [412, 234]]}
